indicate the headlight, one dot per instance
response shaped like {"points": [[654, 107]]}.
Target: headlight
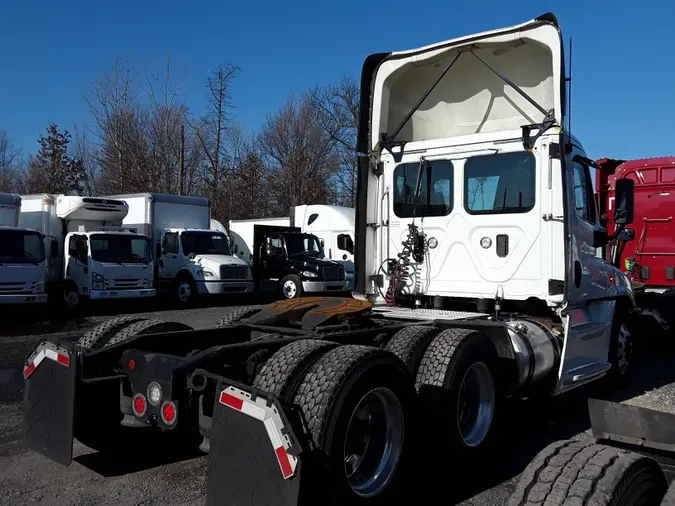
{"points": [[200, 274], [98, 281], [309, 274], [209, 274], [40, 285], [346, 277]]}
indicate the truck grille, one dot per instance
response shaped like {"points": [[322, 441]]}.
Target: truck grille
{"points": [[12, 288], [334, 273], [123, 283], [233, 272]]}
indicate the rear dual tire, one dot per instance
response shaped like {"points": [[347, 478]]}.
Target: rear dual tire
{"points": [[357, 406]]}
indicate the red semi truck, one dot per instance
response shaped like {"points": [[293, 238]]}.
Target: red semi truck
{"points": [[647, 253]]}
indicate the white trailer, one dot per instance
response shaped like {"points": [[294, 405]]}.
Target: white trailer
{"points": [[333, 225], [94, 258], [22, 257], [190, 257]]}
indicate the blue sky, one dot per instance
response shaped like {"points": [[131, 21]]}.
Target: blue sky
{"points": [[623, 73]]}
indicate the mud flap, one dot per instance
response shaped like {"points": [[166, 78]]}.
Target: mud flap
{"points": [[254, 454], [49, 402], [632, 425]]}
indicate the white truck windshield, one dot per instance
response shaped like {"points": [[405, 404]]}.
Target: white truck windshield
{"points": [[21, 246], [205, 243], [120, 248]]}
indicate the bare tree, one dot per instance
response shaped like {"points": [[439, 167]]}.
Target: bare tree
{"points": [[211, 135], [120, 127], [83, 150], [166, 116], [10, 165], [337, 107], [300, 154]]}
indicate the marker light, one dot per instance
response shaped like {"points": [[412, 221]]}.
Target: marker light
{"points": [[486, 242], [154, 393]]}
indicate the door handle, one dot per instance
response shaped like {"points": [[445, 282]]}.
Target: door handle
{"points": [[161, 263]]}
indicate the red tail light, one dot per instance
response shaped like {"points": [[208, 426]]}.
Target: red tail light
{"points": [[168, 413], [139, 404]]}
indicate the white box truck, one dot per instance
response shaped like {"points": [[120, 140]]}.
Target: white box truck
{"points": [[94, 258], [190, 258], [333, 225], [22, 257]]}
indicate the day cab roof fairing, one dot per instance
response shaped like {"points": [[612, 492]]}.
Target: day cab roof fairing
{"points": [[470, 98]]}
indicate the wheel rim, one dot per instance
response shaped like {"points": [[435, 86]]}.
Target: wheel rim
{"points": [[624, 352], [373, 442], [475, 404], [184, 291], [72, 299], [290, 289]]}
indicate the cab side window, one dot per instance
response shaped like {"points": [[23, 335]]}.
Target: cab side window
{"points": [[171, 243], [584, 202]]}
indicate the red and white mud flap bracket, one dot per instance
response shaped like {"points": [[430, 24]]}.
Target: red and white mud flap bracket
{"points": [[50, 374], [254, 454]]}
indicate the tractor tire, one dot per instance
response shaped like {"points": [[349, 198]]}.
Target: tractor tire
{"points": [[282, 374], [146, 327], [458, 389], [585, 473], [410, 343], [238, 314], [101, 333], [357, 404], [621, 345], [291, 287]]}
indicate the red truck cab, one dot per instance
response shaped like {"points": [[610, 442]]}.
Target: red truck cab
{"points": [[650, 257]]}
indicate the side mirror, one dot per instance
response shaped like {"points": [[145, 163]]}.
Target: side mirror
{"points": [[600, 238], [624, 201], [321, 243], [54, 248], [627, 234]]}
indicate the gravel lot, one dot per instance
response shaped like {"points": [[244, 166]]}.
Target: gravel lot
{"points": [[28, 478]]}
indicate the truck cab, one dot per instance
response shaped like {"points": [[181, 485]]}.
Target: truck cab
{"points": [[473, 193], [22, 257], [206, 256], [107, 264]]}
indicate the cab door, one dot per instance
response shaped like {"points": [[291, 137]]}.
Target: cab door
{"points": [[170, 260], [77, 262], [587, 315]]}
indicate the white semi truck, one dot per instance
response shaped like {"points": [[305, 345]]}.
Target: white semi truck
{"points": [[477, 280], [190, 258], [94, 258], [22, 257], [333, 225]]}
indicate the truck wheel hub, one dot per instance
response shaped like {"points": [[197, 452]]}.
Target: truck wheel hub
{"points": [[184, 291], [373, 442], [290, 289], [475, 404]]}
